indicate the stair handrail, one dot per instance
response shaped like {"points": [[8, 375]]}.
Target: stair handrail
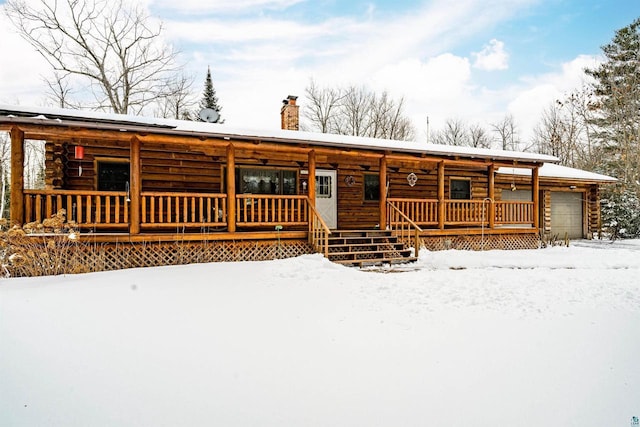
{"points": [[407, 229], [318, 231]]}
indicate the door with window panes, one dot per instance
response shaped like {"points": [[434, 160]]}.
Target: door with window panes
{"points": [[326, 197]]}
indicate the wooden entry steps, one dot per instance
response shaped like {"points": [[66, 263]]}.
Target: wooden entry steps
{"points": [[367, 247]]}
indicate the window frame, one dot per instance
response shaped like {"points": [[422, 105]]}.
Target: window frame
{"points": [[376, 193], [468, 181], [280, 172], [99, 161], [328, 186]]}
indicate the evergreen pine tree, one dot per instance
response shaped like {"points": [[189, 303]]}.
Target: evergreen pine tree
{"points": [[617, 91], [617, 124], [209, 98]]}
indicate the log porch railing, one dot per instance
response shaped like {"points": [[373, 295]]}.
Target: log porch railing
{"points": [[318, 231], [271, 210], [424, 212], [160, 210], [92, 209], [514, 212], [466, 212], [169, 210], [404, 227], [109, 210]]}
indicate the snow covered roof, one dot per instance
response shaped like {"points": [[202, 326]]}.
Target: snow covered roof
{"points": [[169, 126], [550, 170]]}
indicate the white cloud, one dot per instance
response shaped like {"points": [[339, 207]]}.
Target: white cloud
{"points": [[262, 30], [538, 92], [434, 88], [492, 57], [221, 6], [440, 77]]}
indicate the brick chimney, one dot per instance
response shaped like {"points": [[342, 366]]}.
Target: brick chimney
{"points": [[289, 114]]}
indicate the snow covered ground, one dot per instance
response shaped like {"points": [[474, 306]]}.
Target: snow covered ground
{"points": [[546, 337]]}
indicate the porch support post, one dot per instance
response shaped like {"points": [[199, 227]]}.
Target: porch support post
{"points": [[441, 205], [17, 176], [383, 192], [311, 183], [135, 184], [231, 188], [492, 196], [535, 193]]}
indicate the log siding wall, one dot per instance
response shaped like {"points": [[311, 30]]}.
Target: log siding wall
{"points": [[162, 170]]}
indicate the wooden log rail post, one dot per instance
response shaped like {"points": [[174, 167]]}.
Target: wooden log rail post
{"points": [[492, 196], [17, 176], [135, 187], [535, 193], [311, 184], [231, 188], [441, 201], [383, 192]]}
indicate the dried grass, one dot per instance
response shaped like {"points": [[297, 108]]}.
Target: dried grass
{"points": [[40, 249]]}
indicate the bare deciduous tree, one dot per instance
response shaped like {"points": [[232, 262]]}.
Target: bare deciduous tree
{"points": [[179, 101], [355, 108], [478, 136], [507, 133], [582, 102], [388, 119], [111, 44], [322, 107], [60, 91], [34, 164], [563, 131], [556, 134], [5, 161], [33, 168], [454, 133], [355, 111]]}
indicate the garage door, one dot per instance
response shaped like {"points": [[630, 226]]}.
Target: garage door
{"points": [[566, 214]]}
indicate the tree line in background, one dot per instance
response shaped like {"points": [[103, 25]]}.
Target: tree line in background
{"points": [[116, 49], [355, 111]]}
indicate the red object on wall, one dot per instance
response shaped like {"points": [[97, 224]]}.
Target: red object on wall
{"points": [[79, 152]]}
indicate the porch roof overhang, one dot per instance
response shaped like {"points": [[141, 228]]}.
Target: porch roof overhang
{"points": [[50, 123]]}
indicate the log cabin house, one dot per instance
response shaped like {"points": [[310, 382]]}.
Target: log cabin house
{"points": [[147, 191]]}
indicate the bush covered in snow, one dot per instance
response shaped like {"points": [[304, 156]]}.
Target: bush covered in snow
{"points": [[621, 214]]}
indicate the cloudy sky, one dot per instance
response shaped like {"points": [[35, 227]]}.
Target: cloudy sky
{"points": [[474, 60]]}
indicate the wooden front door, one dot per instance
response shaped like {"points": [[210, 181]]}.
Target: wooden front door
{"points": [[327, 197]]}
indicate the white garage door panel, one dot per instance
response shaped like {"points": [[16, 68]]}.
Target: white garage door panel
{"points": [[566, 214]]}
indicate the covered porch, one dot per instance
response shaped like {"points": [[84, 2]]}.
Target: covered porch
{"points": [[192, 186]]}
